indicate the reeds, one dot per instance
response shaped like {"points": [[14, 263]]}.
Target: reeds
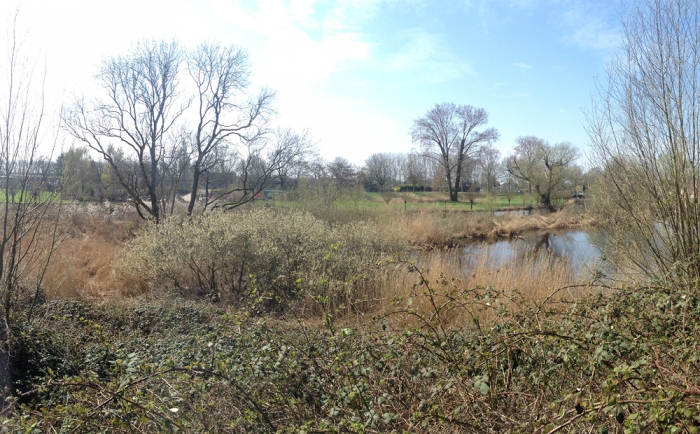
{"points": [[462, 289], [452, 228], [91, 236]]}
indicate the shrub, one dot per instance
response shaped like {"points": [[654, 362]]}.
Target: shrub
{"points": [[264, 256], [409, 188]]}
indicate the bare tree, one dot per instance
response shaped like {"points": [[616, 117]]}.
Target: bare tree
{"points": [[29, 231], [416, 172], [488, 163], [542, 166], [343, 172], [645, 131], [225, 111], [143, 110], [261, 159], [174, 168], [379, 169], [526, 150], [448, 135], [138, 107], [398, 167], [505, 176]]}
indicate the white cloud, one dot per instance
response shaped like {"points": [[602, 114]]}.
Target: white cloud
{"points": [[426, 58], [521, 65], [300, 47], [304, 45], [590, 26]]}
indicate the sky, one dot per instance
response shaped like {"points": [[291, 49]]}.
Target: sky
{"points": [[357, 73]]}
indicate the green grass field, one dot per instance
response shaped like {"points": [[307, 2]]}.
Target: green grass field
{"points": [[27, 197], [421, 201]]}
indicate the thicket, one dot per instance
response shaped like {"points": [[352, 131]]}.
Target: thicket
{"points": [[616, 361], [263, 258]]}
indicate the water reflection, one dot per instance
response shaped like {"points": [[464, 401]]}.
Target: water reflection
{"points": [[579, 248], [511, 212]]}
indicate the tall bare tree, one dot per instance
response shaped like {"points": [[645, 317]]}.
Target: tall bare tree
{"points": [[226, 110], [448, 135], [398, 167], [488, 160], [343, 172], [138, 107], [379, 168], [645, 131], [416, 171], [29, 230], [527, 154], [146, 111]]}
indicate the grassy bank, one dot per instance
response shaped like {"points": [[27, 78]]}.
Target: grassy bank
{"points": [[420, 201], [429, 219], [452, 228]]}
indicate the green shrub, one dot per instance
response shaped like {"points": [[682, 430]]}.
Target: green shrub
{"points": [[264, 256]]}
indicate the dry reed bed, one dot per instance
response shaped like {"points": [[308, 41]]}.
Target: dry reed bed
{"points": [[472, 288], [455, 228], [90, 237]]}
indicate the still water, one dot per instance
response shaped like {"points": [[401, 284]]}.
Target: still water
{"points": [[580, 249]]}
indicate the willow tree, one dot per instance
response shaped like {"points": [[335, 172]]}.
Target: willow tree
{"points": [[644, 126], [542, 166]]}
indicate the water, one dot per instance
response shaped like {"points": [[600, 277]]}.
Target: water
{"points": [[513, 212], [579, 248]]}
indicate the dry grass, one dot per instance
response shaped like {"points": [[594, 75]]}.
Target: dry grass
{"points": [[453, 228], [91, 237], [461, 288]]}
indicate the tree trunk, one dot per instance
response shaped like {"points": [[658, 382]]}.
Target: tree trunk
{"points": [[453, 192], [196, 172], [458, 179]]}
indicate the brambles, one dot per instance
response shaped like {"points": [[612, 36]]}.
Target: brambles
{"points": [[622, 362]]}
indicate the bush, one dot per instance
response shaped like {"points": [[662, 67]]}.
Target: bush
{"points": [[409, 188], [264, 256]]}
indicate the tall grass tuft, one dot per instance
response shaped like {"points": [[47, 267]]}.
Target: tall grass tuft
{"points": [[91, 237]]}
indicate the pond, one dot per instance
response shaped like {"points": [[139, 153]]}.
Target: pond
{"points": [[579, 248]]}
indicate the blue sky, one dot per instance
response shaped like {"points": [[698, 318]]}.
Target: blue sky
{"points": [[356, 73]]}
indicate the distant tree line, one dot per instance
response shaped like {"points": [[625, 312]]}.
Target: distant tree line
{"points": [[175, 125]]}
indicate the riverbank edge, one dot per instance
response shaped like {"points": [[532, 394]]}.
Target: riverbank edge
{"points": [[511, 227]]}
